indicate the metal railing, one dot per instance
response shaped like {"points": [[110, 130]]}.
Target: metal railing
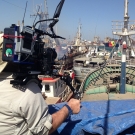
{"points": [[128, 62]]}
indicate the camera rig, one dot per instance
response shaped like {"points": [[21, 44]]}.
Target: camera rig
{"points": [[24, 46]]}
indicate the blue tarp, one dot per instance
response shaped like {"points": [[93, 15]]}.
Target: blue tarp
{"points": [[99, 117]]}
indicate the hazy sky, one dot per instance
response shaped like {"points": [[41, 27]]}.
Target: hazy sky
{"points": [[96, 16]]}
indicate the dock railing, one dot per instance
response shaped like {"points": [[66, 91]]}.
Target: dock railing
{"points": [[130, 62]]}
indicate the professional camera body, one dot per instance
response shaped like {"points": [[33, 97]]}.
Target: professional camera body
{"points": [[27, 49], [24, 47]]}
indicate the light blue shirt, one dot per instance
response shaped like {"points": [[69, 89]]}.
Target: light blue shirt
{"points": [[23, 112]]}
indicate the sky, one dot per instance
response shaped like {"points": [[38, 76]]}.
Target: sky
{"points": [[95, 16]]}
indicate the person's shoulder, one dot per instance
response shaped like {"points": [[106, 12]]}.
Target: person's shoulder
{"points": [[5, 76], [5, 79], [32, 96], [33, 87]]}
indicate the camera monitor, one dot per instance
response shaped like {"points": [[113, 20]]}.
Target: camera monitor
{"points": [[26, 42]]}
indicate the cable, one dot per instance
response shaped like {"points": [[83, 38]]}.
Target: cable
{"points": [[29, 54], [36, 16], [24, 13], [15, 5]]}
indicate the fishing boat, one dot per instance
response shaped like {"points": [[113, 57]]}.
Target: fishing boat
{"points": [[54, 89], [109, 40], [79, 45], [76, 50], [84, 65], [93, 59]]}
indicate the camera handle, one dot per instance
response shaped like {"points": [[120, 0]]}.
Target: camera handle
{"points": [[76, 93]]}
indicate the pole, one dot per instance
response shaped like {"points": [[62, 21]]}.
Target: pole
{"points": [[123, 59], [125, 45]]}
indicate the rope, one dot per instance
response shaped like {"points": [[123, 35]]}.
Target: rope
{"points": [[15, 5]]}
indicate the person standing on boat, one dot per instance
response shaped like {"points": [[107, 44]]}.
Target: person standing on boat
{"points": [[23, 110], [72, 75]]}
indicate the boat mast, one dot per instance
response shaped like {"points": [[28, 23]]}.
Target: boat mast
{"points": [[125, 43], [46, 10], [123, 60], [78, 36], [42, 16]]}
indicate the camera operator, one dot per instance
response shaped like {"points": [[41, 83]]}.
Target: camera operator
{"points": [[23, 110]]}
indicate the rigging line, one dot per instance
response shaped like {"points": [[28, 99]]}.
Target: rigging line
{"points": [[15, 5], [36, 15], [24, 13]]}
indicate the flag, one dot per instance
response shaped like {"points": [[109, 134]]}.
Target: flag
{"points": [[111, 44]]}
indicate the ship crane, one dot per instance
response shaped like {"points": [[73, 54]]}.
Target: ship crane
{"points": [[126, 44], [43, 16]]}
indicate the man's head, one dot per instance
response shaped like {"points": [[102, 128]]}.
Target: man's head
{"points": [[70, 71]]}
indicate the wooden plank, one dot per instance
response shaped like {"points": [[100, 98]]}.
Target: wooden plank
{"points": [[53, 100]]}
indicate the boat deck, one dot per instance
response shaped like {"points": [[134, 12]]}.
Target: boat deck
{"points": [[110, 96], [95, 85]]}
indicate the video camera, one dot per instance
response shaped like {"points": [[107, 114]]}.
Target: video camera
{"points": [[24, 46]]}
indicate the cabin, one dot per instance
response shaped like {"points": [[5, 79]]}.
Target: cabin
{"points": [[55, 90], [52, 87]]}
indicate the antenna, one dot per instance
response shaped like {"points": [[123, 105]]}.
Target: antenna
{"points": [[36, 15], [46, 9], [24, 14]]}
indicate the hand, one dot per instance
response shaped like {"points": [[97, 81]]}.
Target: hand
{"points": [[74, 104], [44, 96]]}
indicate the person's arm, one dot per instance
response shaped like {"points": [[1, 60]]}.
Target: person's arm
{"points": [[59, 117], [35, 111]]}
